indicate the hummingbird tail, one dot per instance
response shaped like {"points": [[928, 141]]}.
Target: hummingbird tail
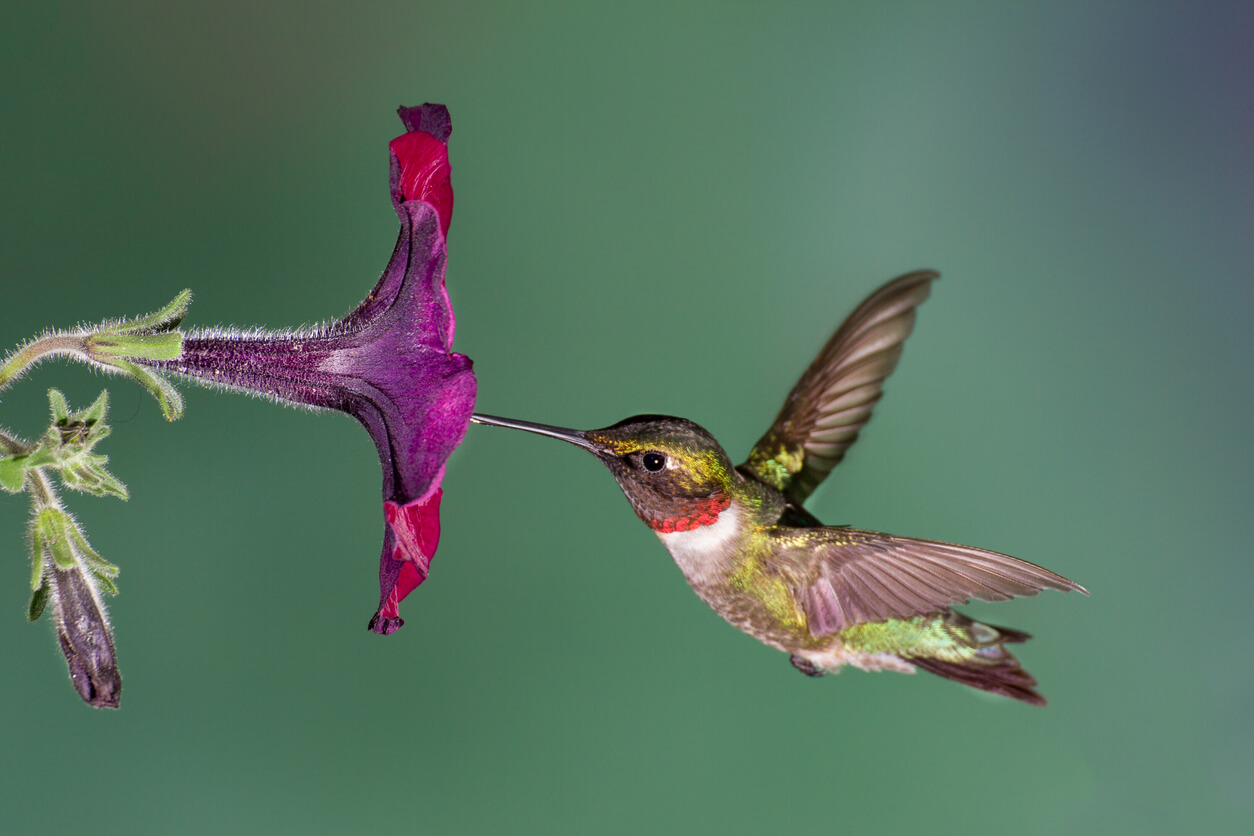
{"points": [[978, 659]]}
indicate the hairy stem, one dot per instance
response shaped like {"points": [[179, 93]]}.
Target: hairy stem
{"points": [[42, 494], [31, 353], [13, 445]]}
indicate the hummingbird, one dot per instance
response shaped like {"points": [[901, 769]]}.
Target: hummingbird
{"points": [[828, 596]]}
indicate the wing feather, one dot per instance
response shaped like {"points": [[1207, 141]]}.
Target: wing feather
{"points": [[858, 576], [825, 411]]}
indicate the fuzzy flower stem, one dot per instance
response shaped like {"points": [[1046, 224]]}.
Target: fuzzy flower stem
{"points": [[31, 353], [13, 445], [41, 492]]}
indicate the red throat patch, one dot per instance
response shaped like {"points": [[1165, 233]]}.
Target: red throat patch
{"points": [[701, 513]]}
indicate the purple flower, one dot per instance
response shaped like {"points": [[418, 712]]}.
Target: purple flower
{"points": [[388, 363]]}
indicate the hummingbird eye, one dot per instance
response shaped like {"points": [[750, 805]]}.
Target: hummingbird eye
{"points": [[653, 462]]}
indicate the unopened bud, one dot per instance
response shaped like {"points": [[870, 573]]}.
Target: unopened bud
{"points": [[85, 636]]}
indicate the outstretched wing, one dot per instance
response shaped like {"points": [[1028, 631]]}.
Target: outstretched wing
{"points": [[848, 576], [834, 398]]}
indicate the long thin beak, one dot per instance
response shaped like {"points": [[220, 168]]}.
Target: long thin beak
{"points": [[573, 436]]}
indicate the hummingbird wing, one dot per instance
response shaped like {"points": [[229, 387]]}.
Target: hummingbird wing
{"points": [[825, 410], [844, 576]]}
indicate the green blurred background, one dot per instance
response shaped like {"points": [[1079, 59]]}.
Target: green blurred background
{"points": [[660, 208]]}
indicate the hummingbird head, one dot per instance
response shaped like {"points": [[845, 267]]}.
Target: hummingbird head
{"points": [[675, 474]]}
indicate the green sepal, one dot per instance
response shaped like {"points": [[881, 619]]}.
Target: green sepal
{"points": [[86, 554], [45, 455], [50, 534], [89, 419], [38, 600], [13, 473], [37, 563], [55, 533], [67, 447], [106, 582], [160, 388], [86, 473], [60, 407], [165, 319], [94, 414], [161, 346], [151, 337]]}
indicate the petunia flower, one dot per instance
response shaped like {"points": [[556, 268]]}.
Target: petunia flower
{"points": [[388, 363]]}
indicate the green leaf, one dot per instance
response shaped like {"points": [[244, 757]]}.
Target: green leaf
{"points": [[38, 600], [13, 473]]}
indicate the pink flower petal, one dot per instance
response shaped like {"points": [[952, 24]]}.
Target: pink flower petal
{"points": [[388, 363], [415, 533], [424, 172]]}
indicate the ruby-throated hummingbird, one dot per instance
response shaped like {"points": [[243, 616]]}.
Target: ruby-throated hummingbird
{"points": [[827, 595]]}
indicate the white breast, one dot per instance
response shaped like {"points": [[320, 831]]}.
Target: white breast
{"points": [[697, 552]]}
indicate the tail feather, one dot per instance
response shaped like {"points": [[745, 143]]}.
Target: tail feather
{"points": [[1005, 677], [985, 664], [1009, 636]]}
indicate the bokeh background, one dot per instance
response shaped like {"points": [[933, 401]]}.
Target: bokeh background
{"points": [[664, 207]]}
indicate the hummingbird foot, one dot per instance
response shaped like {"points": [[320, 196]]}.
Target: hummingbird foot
{"points": [[806, 666]]}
